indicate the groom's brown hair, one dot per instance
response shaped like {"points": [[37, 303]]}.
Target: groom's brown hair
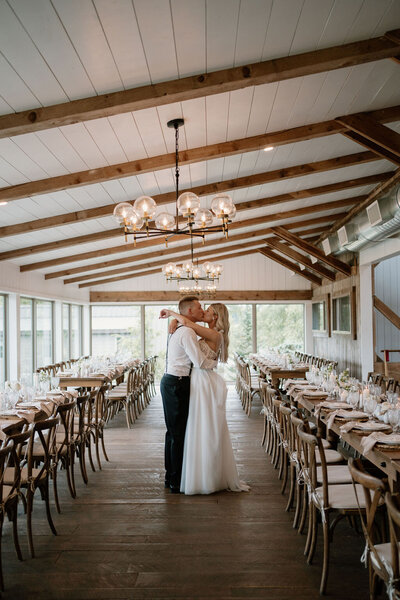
{"points": [[185, 303]]}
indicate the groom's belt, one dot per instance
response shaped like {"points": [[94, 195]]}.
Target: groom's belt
{"points": [[177, 376]]}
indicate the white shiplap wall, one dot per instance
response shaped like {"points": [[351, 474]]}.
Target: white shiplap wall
{"points": [[254, 272], [34, 285], [387, 288]]}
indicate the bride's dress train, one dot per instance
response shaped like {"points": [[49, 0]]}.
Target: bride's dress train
{"points": [[208, 461]]}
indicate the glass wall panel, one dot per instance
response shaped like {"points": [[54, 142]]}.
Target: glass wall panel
{"points": [[76, 331], [240, 336], [65, 334], [2, 339], [156, 333], [44, 333], [116, 329], [280, 326], [26, 338]]}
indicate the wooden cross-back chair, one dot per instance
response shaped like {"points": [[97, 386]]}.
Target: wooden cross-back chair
{"points": [[373, 524]]}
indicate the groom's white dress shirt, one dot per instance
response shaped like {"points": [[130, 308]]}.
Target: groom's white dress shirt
{"points": [[183, 351]]}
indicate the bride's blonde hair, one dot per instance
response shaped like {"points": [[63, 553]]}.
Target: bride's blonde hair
{"points": [[222, 325]]}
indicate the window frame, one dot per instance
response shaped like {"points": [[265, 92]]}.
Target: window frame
{"points": [[324, 327], [5, 336], [335, 314]]}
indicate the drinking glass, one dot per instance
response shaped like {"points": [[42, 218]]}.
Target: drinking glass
{"points": [[393, 419]]}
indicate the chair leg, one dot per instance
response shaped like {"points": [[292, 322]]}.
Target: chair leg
{"points": [[297, 513], [82, 463], [46, 496], [97, 444], [14, 519], [325, 567], [55, 489], [89, 445], [70, 474], [103, 446], [311, 514], [304, 501], [264, 432], [285, 471], [292, 475], [1, 562], [29, 507]]}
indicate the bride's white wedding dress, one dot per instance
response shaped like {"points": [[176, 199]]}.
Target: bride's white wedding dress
{"points": [[208, 461]]}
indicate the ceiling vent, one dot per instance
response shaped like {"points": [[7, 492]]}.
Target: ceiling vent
{"points": [[326, 246], [342, 235], [374, 214]]}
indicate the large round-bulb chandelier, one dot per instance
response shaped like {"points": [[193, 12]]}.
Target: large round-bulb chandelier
{"points": [[137, 219], [141, 220]]}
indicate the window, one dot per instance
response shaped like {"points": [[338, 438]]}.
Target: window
{"points": [[341, 314], [65, 335], [26, 338], [76, 331], [36, 335], [156, 334], [3, 363], [116, 329], [318, 316], [44, 332], [280, 326]]}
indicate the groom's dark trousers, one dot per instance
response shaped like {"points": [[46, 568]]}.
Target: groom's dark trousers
{"points": [[175, 392]]}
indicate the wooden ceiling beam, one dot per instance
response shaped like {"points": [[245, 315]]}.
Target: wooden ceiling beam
{"points": [[184, 255], [199, 86], [154, 271], [164, 161], [269, 253], [379, 190], [106, 211], [379, 150], [166, 252], [184, 252], [293, 239], [372, 130], [157, 241], [304, 260], [222, 296]]}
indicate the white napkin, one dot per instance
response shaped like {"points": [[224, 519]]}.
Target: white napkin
{"points": [[354, 414], [311, 393], [289, 382], [28, 415], [364, 426], [369, 441]]}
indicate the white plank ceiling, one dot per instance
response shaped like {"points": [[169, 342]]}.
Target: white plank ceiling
{"points": [[54, 51]]}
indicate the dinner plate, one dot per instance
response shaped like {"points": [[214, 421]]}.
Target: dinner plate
{"points": [[354, 415], [372, 426]]}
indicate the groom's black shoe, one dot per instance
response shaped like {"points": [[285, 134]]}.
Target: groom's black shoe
{"points": [[174, 490]]}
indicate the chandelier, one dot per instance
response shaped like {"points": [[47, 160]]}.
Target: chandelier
{"points": [[136, 219]]}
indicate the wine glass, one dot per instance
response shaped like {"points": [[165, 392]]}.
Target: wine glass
{"points": [[54, 382], [393, 419]]}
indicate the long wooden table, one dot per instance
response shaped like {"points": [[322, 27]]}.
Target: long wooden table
{"points": [[84, 382], [275, 374], [387, 461]]}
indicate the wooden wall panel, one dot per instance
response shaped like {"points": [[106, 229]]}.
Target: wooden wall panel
{"points": [[340, 347], [387, 289]]}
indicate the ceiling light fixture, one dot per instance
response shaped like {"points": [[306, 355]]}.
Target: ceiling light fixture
{"points": [[137, 219]]}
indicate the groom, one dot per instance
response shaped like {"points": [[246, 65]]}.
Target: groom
{"points": [[183, 352]]}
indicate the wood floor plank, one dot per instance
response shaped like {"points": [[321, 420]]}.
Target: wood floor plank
{"points": [[126, 537]]}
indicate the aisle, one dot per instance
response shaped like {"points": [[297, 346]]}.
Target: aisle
{"points": [[126, 537]]}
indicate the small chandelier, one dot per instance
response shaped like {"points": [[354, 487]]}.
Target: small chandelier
{"points": [[188, 275], [136, 219]]}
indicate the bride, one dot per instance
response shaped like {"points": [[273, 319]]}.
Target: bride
{"points": [[208, 461]]}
